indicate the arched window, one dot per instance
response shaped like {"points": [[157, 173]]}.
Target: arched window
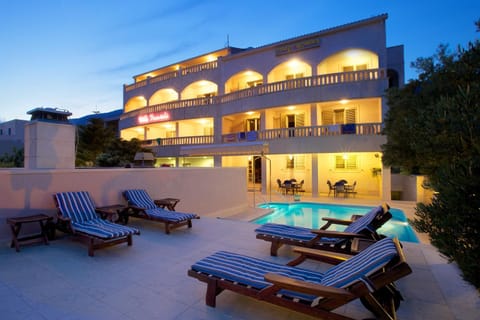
{"points": [[135, 103], [199, 89], [163, 96], [347, 61], [288, 70], [243, 80]]}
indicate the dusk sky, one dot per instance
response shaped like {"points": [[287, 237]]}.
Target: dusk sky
{"points": [[78, 54]]}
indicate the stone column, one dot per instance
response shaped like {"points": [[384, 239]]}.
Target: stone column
{"points": [[49, 145]]}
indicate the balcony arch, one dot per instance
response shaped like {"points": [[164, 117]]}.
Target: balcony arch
{"points": [[200, 89], [243, 80], [163, 96], [348, 61], [135, 103], [289, 70]]}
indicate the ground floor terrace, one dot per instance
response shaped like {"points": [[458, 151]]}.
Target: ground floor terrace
{"points": [[364, 171], [149, 279]]}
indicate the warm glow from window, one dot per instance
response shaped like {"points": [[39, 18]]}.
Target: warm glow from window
{"points": [[345, 156], [249, 113], [291, 107], [294, 64], [344, 101], [211, 58]]}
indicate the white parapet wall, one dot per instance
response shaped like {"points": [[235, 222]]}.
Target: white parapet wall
{"points": [[213, 192]]}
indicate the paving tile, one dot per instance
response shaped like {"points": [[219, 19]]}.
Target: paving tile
{"points": [[149, 279]]}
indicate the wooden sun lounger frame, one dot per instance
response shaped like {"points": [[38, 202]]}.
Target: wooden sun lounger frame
{"points": [[332, 297], [342, 247]]}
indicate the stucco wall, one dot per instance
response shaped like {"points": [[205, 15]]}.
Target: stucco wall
{"points": [[206, 191]]}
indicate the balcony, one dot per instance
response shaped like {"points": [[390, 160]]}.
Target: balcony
{"points": [[270, 88], [358, 129]]}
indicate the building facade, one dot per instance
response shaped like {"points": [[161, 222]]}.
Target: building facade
{"points": [[12, 136], [309, 108]]}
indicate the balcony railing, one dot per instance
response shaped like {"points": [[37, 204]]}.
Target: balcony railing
{"points": [[281, 86], [173, 74], [163, 142], [273, 134]]}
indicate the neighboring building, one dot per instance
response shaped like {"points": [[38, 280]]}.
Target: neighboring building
{"points": [[12, 136], [110, 119], [309, 108]]}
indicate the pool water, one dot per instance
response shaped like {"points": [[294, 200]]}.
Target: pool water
{"points": [[309, 215]]}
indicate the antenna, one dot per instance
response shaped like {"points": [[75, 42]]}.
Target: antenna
{"points": [[227, 44]]}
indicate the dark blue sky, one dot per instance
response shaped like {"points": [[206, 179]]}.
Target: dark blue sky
{"points": [[77, 54]]}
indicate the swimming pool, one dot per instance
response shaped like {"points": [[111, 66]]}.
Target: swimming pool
{"points": [[309, 215]]}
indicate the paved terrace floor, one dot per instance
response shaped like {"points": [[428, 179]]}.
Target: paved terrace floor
{"points": [[149, 279]]}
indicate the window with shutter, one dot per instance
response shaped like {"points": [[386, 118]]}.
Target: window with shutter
{"points": [[327, 118], [350, 116], [346, 163], [300, 120]]}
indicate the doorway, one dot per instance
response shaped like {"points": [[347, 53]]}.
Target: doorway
{"points": [[255, 170]]}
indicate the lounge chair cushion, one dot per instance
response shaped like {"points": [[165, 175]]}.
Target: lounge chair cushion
{"points": [[168, 215], [361, 265], [104, 229], [250, 271], [365, 221], [78, 206], [284, 231], [140, 198]]}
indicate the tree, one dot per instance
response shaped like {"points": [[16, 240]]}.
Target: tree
{"points": [[119, 153], [14, 159], [98, 145], [432, 128], [93, 139]]}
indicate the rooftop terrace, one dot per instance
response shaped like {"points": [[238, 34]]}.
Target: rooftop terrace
{"points": [[149, 279]]}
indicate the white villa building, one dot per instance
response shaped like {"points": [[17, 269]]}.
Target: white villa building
{"points": [[309, 108]]}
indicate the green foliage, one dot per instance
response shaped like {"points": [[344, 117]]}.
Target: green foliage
{"points": [[119, 153], [13, 160], [433, 128], [98, 146]]}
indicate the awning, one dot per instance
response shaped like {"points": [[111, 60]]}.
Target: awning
{"points": [[226, 149]]}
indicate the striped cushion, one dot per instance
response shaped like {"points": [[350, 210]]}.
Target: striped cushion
{"points": [[78, 206], [173, 216], [284, 231], [365, 221], [103, 229], [139, 198], [361, 265], [251, 271]]}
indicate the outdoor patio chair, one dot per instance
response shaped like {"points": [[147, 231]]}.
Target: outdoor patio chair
{"points": [[77, 215], [368, 276], [364, 227], [331, 188], [141, 205]]}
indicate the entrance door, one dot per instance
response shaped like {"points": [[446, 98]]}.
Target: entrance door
{"points": [[255, 170]]}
